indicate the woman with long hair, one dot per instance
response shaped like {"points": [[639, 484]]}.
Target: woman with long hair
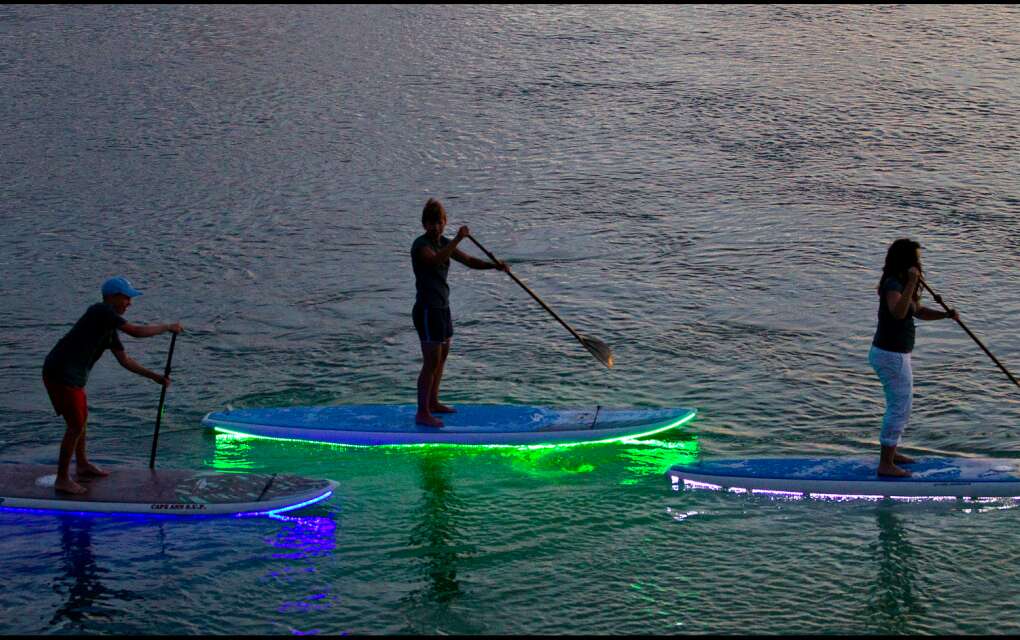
{"points": [[899, 303]]}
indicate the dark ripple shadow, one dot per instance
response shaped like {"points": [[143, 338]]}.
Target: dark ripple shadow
{"points": [[90, 603], [438, 547]]}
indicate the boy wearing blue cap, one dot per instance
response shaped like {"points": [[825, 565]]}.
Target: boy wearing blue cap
{"points": [[67, 367]]}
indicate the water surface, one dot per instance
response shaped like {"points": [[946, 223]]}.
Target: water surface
{"points": [[709, 190]]}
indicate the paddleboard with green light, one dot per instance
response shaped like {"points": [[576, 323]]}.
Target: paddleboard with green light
{"points": [[472, 424]]}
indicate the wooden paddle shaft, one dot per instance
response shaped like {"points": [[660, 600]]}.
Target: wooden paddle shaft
{"points": [[938, 299], [533, 294], [162, 398]]}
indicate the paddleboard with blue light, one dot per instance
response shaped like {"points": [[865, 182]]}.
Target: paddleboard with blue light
{"points": [[854, 477], [160, 492], [472, 424]]}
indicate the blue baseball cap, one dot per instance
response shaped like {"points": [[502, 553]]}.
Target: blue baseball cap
{"points": [[119, 284]]}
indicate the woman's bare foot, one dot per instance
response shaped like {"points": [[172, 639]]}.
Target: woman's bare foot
{"points": [[90, 470], [438, 407], [899, 458], [892, 470], [427, 420], [69, 486]]}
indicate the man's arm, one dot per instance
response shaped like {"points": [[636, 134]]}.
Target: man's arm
{"points": [[129, 363], [473, 262], [149, 330], [431, 257]]}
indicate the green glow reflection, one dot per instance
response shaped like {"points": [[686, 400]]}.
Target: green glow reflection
{"points": [[640, 458], [656, 460], [232, 454], [550, 463]]}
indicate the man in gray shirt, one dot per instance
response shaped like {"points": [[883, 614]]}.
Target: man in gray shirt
{"points": [[430, 259]]}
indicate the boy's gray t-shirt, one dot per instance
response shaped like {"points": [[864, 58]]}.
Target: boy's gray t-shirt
{"points": [[71, 360]]}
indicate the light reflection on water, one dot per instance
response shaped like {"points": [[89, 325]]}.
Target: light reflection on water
{"points": [[301, 538]]}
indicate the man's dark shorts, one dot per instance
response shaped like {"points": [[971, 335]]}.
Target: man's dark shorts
{"points": [[432, 324]]}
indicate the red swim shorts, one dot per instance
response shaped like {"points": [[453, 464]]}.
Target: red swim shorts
{"points": [[68, 401]]}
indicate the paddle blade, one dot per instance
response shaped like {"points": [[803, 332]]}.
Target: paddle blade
{"points": [[599, 349]]}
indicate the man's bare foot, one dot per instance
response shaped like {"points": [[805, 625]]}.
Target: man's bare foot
{"points": [[427, 420], [438, 407], [892, 470], [899, 458], [91, 471], [69, 486]]}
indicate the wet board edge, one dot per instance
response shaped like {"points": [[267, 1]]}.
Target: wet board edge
{"points": [[846, 489], [170, 509]]}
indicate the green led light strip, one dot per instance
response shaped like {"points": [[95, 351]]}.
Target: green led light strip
{"points": [[628, 438]]}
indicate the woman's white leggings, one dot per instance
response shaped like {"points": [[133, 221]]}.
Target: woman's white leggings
{"points": [[897, 378]]}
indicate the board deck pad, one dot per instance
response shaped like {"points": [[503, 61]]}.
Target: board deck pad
{"points": [[159, 491], [856, 476], [474, 424]]}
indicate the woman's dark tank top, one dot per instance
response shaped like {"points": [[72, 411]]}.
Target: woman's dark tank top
{"points": [[893, 334]]}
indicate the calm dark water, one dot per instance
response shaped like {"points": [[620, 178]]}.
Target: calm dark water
{"points": [[710, 190]]}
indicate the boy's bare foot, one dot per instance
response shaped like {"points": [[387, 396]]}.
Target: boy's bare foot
{"points": [[68, 486], [438, 407], [899, 458], [427, 420], [91, 471], [893, 471]]}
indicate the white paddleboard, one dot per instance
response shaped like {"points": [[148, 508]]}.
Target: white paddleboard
{"points": [[160, 491]]}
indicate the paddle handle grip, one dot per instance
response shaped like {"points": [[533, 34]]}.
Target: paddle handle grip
{"points": [[938, 299], [530, 292], [162, 399]]}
